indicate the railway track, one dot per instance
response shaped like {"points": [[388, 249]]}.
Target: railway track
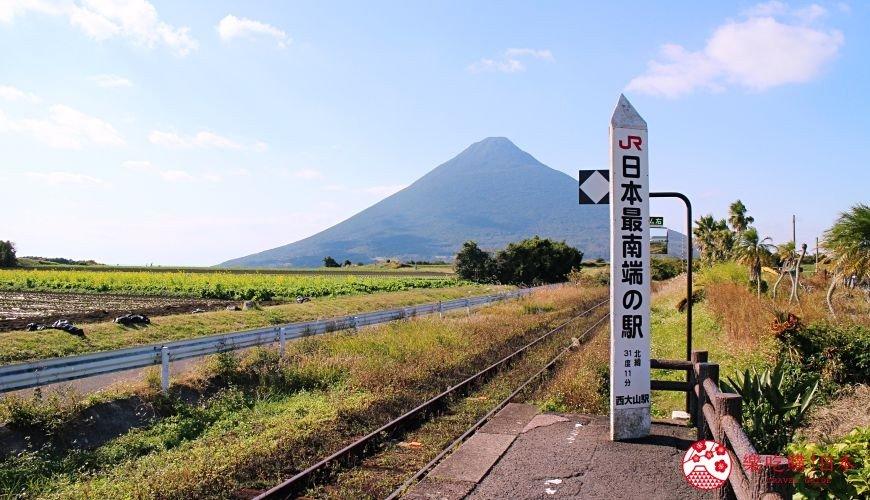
{"points": [[368, 444]]}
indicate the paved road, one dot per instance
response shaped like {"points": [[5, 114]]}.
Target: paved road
{"points": [[523, 454]]}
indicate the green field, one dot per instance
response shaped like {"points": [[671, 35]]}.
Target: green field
{"points": [[381, 269], [212, 284]]}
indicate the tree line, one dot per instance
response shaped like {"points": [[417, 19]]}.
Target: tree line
{"points": [[531, 261]]}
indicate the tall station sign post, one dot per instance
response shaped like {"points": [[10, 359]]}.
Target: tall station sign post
{"points": [[625, 187], [629, 275]]}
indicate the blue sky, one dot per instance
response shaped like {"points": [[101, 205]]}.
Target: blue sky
{"points": [[194, 132]]}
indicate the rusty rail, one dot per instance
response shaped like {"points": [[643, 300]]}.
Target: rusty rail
{"points": [[367, 444], [718, 416]]}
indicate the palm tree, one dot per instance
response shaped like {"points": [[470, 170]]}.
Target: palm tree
{"points": [[711, 239], [737, 217], [848, 242], [754, 252], [723, 239]]}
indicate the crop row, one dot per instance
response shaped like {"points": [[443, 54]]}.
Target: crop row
{"points": [[216, 285]]}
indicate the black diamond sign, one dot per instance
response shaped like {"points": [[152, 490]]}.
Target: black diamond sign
{"points": [[594, 187]]}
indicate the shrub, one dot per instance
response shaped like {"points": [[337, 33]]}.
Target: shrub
{"points": [[528, 262], [774, 404], [474, 264], [826, 474], [536, 260], [840, 354], [7, 254], [589, 278], [663, 269], [724, 272]]}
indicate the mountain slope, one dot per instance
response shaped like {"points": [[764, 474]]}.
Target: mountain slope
{"points": [[493, 193]]}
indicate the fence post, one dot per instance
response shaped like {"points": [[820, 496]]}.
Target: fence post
{"points": [[282, 341], [468, 307], [773, 476], [164, 372], [705, 371], [440, 311], [732, 405], [691, 398]]}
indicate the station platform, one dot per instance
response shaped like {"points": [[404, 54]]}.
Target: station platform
{"points": [[522, 453]]}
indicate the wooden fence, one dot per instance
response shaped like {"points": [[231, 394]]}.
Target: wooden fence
{"points": [[717, 415]]}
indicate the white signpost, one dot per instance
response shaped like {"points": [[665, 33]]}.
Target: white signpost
{"points": [[629, 275]]}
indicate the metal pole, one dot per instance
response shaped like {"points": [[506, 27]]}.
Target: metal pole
{"points": [[689, 258], [816, 268], [794, 232], [164, 372], [282, 340]]}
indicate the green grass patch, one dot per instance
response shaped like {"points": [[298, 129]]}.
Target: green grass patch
{"points": [[17, 346], [210, 285], [277, 415], [669, 342]]}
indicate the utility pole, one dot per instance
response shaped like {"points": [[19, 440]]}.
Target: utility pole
{"points": [[793, 233], [816, 268], [797, 268]]}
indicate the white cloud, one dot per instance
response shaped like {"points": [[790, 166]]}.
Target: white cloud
{"points": [[231, 27], [58, 178], [167, 139], [134, 20], [138, 165], [511, 61], [774, 45], [111, 81], [144, 166], [308, 174], [10, 93], [178, 175], [65, 128], [206, 139], [202, 139]]}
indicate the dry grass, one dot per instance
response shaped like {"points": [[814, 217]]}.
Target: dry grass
{"points": [[746, 318], [833, 421], [378, 475], [581, 383], [738, 311], [286, 413], [852, 306]]}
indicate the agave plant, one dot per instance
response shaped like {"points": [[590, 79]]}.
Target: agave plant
{"points": [[774, 405]]}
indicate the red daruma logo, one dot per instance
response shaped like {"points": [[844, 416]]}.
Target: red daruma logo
{"points": [[706, 465]]}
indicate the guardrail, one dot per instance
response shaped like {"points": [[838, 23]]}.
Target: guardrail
{"points": [[718, 416], [50, 371]]}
